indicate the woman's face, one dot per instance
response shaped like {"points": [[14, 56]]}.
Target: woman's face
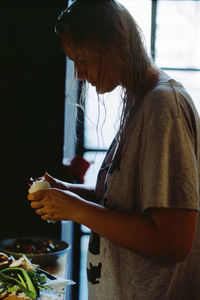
{"points": [[99, 70]]}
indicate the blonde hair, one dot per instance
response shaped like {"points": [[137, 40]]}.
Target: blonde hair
{"points": [[96, 22]]}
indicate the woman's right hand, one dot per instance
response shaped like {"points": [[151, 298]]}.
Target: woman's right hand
{"points": [[56, 183], [83, 191]]}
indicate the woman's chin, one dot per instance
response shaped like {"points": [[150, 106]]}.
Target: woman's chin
{"points": [[104, 90]]}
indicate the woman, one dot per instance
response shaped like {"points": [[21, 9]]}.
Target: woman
{"points": [[144, 210]]}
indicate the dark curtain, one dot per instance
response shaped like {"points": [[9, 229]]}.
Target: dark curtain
{"points": [[32, 79]]}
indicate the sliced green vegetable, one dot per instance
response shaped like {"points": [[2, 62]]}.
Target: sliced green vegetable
{"points": [[13, 288], [13, 279], [42, 278], [2, 290], [22, 280], [29, 290], [27, 278], [36, 277], [22, 288], [52, 290]]}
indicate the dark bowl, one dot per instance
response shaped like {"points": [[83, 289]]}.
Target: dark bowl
{"points": [[41, 258]]}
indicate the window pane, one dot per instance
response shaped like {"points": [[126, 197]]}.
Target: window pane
{"points": [[83, 292], [190, 80], [177, 35], [96, 159], [101, 118], [141, 12]]}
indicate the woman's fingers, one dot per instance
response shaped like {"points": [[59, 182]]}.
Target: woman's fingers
{"points": [[39, 211], [36, 204], [44, 214], [50, 179], [37, 179], [37, 196]]}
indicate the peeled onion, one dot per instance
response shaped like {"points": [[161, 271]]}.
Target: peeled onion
{"points": [[38, 185]]}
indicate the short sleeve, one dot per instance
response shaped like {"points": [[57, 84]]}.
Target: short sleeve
{"points": [[169, 173]]}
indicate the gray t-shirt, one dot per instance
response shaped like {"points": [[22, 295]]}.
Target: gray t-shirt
{"points": [[158, 167]]}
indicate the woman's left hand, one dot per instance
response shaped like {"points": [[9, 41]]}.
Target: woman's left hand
{"points": [[54, 204]]}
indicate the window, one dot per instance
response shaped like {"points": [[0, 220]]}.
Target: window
{"points": [[171, 30], [177, 45]]}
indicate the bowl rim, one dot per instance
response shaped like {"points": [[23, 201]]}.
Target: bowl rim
{"points": [[65, 246]]}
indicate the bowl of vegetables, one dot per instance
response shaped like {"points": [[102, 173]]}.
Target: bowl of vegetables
{"points": [[39, 250]]}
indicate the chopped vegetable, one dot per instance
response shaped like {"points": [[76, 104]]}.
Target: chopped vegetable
{"points": [[7, 280], [21, 276], [15, 279], [5, 260]]}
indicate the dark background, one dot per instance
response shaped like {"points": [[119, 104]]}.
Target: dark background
{"points": [[32, 79]]}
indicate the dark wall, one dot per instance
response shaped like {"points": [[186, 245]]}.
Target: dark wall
{"points": [[32, 75]]}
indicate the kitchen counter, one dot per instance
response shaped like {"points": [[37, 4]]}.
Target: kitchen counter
{"points": [[58, 268]]}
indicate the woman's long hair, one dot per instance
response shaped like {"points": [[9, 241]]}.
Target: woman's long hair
{"points": [[97, 22]]}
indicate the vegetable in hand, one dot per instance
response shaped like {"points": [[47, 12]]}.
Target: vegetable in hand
{"points": [[38, 185]]}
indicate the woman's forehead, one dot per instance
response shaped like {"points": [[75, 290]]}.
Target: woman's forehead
{"points": [[73, 50], [68, 47]]}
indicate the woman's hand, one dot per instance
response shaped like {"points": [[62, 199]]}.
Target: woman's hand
{"points": [[81, 190], [165, 234], [54, 204], [56, 183]]}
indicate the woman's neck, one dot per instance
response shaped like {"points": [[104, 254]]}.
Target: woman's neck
{"points": [[152, 77]]}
